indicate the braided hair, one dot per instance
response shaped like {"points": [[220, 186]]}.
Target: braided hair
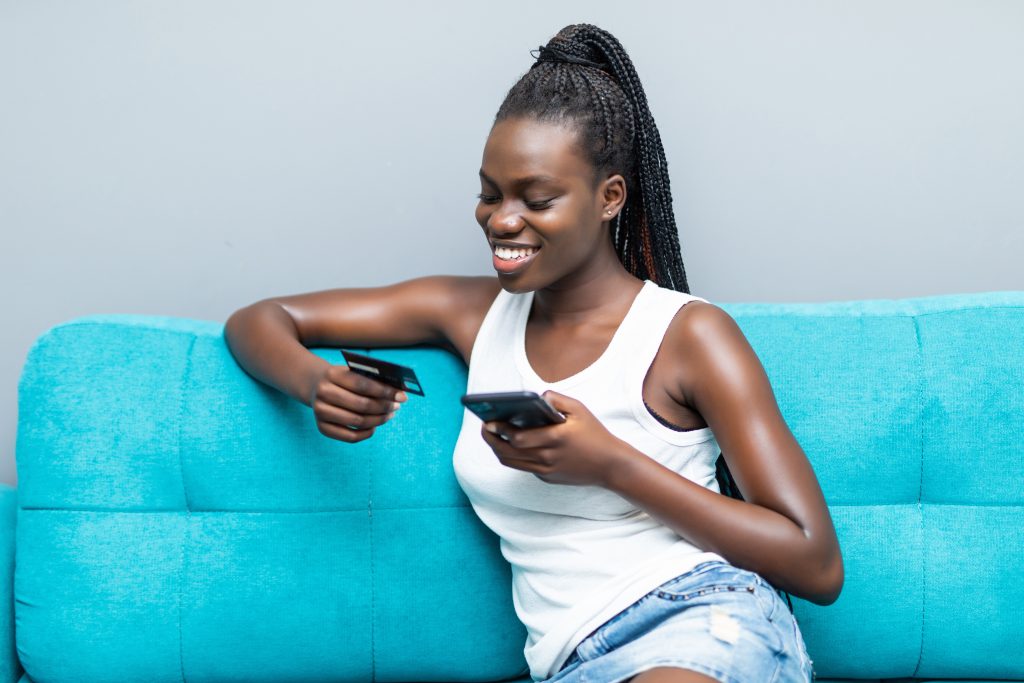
{"points": [[583, 77]]}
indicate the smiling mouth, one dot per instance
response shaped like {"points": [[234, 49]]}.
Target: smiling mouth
{"points": [[510, 261], [506, 254]]}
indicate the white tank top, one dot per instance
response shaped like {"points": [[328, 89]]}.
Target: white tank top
{"points": [[579, 554]]}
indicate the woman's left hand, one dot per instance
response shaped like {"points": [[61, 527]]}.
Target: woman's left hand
{"points": [[578, 452]]}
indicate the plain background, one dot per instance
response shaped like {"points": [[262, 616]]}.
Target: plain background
{"points": [[190, 158]]}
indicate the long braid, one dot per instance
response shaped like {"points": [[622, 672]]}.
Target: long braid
{"points": [[598, 90]]}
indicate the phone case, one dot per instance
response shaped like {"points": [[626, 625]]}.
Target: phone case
{"points": [[518, 408]]}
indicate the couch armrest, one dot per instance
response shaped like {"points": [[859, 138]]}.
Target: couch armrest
{"points": [[10, 667]]}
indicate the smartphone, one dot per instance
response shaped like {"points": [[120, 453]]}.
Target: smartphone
{"points": [[518, 408]]}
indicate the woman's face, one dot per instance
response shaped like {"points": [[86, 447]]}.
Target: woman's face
{"points": [[538, 191]]}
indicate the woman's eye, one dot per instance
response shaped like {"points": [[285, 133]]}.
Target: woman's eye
{"points": [[532, 206]]}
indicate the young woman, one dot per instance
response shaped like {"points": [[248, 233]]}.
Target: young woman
{"points": [[628, 562]]}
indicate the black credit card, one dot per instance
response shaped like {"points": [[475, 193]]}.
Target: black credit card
{"points": [[395, 375]]}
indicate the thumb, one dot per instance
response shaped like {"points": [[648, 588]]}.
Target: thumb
{"points": [[560, 402]]}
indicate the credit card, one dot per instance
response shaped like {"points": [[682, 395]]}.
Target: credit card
{"points": [[395, 375]]}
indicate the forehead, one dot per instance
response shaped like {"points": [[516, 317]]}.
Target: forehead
{"points": [[520, 148]]}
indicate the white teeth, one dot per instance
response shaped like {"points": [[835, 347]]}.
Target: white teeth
{"points": [[511, 254]]}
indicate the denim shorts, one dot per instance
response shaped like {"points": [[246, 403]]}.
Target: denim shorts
{"points": [[717, 619]]}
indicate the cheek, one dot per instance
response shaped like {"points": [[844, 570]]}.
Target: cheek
{"points": [[566, 222]]}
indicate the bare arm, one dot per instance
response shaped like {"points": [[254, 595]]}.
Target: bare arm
{"points": [[270, 339], [782, 530], [266, 343]]}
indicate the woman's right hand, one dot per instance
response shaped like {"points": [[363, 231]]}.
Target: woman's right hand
{"points": [[349, 406]]}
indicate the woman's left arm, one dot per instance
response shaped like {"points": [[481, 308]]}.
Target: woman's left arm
{"points": [[782, 529]]}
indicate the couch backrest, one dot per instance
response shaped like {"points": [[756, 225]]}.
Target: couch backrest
{"points": [[180, 519]]}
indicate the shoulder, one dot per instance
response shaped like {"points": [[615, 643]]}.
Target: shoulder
{"points": [[461, 304], [699, 323], [464, 290], [710, 348], [459, 295]]}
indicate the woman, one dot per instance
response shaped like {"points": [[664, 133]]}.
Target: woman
{"points": [[628, 562]]}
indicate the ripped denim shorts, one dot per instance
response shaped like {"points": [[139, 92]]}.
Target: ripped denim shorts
{"points": [[717, 619]]}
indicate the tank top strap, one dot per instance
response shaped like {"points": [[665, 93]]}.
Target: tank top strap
{"points": [[492, 343], [652, 323]]}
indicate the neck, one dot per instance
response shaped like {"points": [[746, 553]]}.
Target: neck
{"points": [[602, 290]]}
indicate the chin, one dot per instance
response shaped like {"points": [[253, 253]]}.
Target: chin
{"points": [[513, 286]]}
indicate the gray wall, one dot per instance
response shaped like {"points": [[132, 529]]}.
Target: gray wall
{"points": [[188, 158]]}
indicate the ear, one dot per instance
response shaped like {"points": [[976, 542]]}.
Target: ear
{"points": [[611, 194]]}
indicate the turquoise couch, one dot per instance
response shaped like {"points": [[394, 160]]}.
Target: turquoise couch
{"points": [[176, 520]]}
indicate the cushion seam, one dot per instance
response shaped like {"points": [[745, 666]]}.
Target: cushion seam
{"points": [[188, 509], [920, 486]]}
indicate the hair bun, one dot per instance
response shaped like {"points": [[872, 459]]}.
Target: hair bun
{"points": [[556, 53]]}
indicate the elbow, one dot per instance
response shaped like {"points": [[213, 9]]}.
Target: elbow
{"points": [[827, 581], [816, 569], [238, 317], [246, 310], [244, 316], [234, 323]]}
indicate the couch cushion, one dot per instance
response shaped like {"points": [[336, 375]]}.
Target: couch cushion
{"points": [[178, 518], [912, 414]]}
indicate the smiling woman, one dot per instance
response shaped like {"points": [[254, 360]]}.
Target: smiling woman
{"points": [[628, 562]]}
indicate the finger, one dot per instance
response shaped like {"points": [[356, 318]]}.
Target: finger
{"points": [[362, 395], [560, 402], [521, 437], [340, 416], [498, 444], [343, 376], [361, 384], [495, 427], [502, 427], [367, 386], [509, 457], [492, 439], [342, 433], [506, 451], [502, 430]]}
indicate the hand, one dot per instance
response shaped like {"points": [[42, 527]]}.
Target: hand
{"points": [[577, 452], [349, 406]]}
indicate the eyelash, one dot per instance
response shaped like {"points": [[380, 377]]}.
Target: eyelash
{"points": [[533, 206]]}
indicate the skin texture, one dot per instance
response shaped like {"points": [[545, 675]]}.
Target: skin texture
{"points": [[705, 373]]}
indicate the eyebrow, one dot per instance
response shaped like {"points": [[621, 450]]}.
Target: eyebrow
{"points": [[521, 182]]}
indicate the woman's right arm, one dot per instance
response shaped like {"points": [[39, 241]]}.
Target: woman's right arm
{"points": [[270, 338]]}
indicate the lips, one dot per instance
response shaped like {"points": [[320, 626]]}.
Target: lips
{"points": [[513, 266]]}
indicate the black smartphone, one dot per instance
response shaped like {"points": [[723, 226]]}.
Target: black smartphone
{"points": [[518, 408]]}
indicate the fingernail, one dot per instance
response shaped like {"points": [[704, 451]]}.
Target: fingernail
{"points": [[395, 405], [402, 396], [491, 428]]}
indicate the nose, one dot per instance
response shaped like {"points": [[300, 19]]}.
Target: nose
{"points": [[504, 218]]}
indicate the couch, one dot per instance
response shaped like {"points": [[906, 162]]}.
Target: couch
{"points": [[177, 520]]}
